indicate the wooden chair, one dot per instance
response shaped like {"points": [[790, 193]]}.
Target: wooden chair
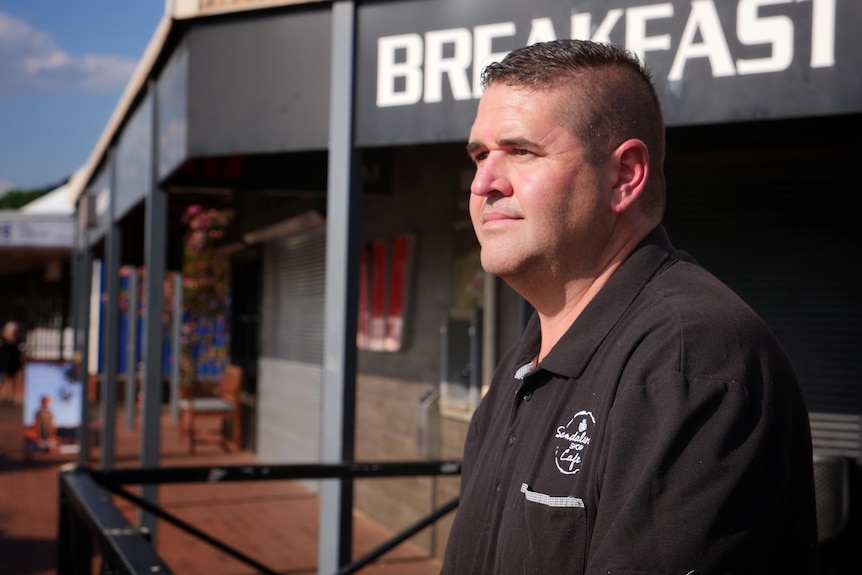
{"points": [[223, 407]]}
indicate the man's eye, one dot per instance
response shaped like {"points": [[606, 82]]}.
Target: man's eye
{"points": [[520, 152], [479, 157]]}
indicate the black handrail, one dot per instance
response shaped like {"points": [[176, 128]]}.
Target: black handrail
{"points": [[87, 510], [399, 538], [223, 473], [192, 530], [85, 490]]}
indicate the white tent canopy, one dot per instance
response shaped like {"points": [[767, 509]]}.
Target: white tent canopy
{"points": [[57, 201]]}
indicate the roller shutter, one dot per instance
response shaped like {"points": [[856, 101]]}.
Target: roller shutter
{"points": [[292, 348], [789, 248]]}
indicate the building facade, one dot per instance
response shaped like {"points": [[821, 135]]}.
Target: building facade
{"points": [[336, 132]]}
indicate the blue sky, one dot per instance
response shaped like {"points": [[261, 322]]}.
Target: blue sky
{"points": [[63, 67]]}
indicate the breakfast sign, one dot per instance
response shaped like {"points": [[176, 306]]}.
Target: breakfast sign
{"points": [[420, 62]]}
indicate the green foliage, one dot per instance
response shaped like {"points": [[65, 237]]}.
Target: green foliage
{"points": [[14, 199]]}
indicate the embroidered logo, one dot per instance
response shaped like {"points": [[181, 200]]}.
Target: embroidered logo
{"points": [[572, 440]]}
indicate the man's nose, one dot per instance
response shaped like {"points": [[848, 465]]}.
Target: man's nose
{"points": [[490, 178]]}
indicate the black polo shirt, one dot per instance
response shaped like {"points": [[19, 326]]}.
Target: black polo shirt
{"points": [[664, 433]]}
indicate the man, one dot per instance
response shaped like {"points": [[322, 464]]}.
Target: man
{"points": [[648, 421]]}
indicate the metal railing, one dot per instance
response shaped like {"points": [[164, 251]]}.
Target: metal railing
{"points": [[88, 518]]}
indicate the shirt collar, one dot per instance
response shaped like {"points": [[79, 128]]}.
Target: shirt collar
{"points": [[570, 356]]}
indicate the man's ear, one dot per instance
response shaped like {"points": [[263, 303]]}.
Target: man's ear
{"points": [[631, 162]]}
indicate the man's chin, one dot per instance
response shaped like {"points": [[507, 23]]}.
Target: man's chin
{"points": [[500, 266]]}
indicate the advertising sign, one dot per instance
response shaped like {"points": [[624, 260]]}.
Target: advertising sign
{"points": [[420, 62], [37, 231], [50, 388]]}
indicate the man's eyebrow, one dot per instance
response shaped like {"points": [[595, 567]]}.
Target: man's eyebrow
{"points": [[517, 143], [472, 147]]}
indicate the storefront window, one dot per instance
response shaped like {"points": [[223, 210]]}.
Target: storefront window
{"points": [[462, 332], [385, 269]]}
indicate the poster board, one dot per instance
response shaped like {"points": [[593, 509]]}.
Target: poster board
{"points": [[54, 380]]}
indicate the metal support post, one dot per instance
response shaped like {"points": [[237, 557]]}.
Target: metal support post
{"points": [[339, 347], [83, 285], [155, 258], [132, 348], [176, 344], [110, 351]]}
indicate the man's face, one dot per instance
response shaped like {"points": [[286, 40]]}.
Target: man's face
{"points": [[538, 208]]}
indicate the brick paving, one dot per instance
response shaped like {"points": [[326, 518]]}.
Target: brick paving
{"points": [[273, 522]]}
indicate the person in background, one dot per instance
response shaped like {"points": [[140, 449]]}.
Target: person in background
{"points": [[648, 421], [45, 430], [41, 436], [11, 364]]}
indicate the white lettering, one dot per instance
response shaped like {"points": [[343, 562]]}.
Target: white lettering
{"points": [[388, 70], [636, 28], [541, 30], [483, 40], [603, 32], [454, 67], [703, 19], [777, 31], [572, 460], [823, 33], [573, 437], [411, 69], [580, 24]]}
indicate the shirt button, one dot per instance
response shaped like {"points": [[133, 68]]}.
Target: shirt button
{"points": [[498, 488], [528, 396], [512, 439]]}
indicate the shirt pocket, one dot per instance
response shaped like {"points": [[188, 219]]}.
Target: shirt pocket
{"points": [[556, 532]]}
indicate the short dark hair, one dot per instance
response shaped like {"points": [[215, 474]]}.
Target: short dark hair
{"points": [[611, 98]]}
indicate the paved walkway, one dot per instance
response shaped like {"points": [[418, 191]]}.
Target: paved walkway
{"points": [[274, 522]]}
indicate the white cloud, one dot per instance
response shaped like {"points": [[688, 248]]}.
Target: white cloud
{"points": [[31, 62], [5, 186]]}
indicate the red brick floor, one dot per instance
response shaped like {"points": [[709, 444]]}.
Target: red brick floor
{"points": [[274, 522]]}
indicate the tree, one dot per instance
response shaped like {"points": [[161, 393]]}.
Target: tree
{"points": [[15, 199]]}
